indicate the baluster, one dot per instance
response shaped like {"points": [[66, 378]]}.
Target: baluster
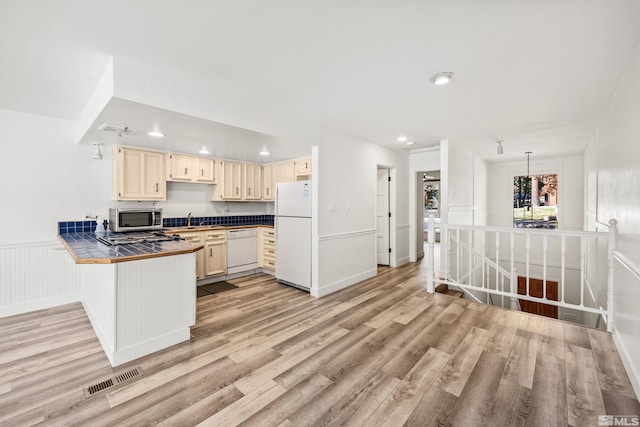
{"points": [[528, 253], [472, 263], [544, 267], [498, 260], [484, 261], [458, 255], [583, 251], [563, 251], [611, 246], [514, 278]]}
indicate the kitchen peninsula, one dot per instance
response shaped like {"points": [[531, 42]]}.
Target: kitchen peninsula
{"points": [[139, 298]]}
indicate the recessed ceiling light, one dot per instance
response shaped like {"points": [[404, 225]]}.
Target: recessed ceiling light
{"points": [[264, 151], [155, 133], [402, 139], [442, 78], [410, 142], [204, 150]]}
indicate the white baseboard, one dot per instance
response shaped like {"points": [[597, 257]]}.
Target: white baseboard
{"points": [[634, 376], [402, 261], [130, 353], [344, 283], [12, 310]]}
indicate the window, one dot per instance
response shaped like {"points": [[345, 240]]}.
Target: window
{"points": [[535, 201]]}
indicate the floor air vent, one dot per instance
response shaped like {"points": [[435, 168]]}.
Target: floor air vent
{"points": [[112, 382]]}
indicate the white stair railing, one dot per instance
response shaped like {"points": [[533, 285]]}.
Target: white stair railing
{"points": [[485, 261]]}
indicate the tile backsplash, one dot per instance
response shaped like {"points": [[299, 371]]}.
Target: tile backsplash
{"points": [[90, 225]]}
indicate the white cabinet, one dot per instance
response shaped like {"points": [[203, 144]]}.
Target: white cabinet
{"points": [[229, 186], [179, 167], [283, 172], [138, 174], [196, 237], [267, 182], [267, 248], [215, 252], [204, 170], [303, 169], [252, 181]]}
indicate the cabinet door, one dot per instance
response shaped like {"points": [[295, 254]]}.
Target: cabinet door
{"points": [[179, 167], [252, 181], [215, 258], [232, 180], [154, 182], [283, 172], [205, 170], [303, 167], [196, 238], [267, 182], [130, 163], [138, 175]]}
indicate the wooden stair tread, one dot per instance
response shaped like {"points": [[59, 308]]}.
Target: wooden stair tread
{"points": [[455, 294], [442, 288]]}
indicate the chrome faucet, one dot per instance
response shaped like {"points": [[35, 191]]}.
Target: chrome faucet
{"points": [[189, 219]]}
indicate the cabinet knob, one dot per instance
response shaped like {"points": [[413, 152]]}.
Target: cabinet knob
{"points": [[185, 171], [157, 187]]}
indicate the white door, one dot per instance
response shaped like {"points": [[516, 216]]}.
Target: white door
{"points": [[382, 217]]}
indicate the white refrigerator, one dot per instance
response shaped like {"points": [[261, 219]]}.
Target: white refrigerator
{"points": [[293, 233]]}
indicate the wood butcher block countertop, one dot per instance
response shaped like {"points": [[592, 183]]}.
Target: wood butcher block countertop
{"points": [[84, 248]]}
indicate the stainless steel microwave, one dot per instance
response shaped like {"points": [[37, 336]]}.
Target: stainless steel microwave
{"points": [[136, 219]]}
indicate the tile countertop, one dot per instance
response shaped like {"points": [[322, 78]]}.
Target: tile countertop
{"points": [[84, 248]]}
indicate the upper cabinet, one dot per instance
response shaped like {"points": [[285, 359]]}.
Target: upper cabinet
{"points": [[184, 168], [252, 181], [138, 174], [267, 182], [205, 170], [179, 167], [229, 185], [303, 169]]}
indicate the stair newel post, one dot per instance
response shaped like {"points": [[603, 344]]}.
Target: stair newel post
{"points": [[431, 242], [610, 249]]}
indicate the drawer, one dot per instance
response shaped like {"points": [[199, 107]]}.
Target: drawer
{"points": [[190, 237], [268, 233], [270, 264], [271, 252], [215, 235], [269, 241]]}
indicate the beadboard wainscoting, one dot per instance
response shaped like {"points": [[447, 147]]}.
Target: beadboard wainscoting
{"points": [[35, 276], [401, 256], [626, 320], [340, 271]]}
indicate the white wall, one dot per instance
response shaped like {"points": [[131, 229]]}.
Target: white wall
{"points": [[613, 177], [419, 161], [570, 172]]}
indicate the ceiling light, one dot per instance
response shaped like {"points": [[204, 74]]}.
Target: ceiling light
{"points": [[97, 154], [499, 149], [155, 133], [442, 78], [410, 142], [402, 139], [204, 150], [264, 151]]}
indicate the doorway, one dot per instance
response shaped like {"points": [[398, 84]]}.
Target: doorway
{"points": [[382, 217]]}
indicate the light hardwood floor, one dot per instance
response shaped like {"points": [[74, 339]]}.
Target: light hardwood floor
{"points": [[383, 352]]}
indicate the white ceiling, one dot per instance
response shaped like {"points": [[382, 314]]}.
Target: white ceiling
{"points": [[538, 74]]}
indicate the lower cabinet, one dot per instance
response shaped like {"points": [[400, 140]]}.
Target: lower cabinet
{"points": [[215, 253], [196, 237], [267, 248]]}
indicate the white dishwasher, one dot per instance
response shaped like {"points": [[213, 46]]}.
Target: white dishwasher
{"points": [[242, 250]]}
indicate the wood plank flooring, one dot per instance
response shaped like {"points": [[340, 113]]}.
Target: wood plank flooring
{"points": [[383, 352]]}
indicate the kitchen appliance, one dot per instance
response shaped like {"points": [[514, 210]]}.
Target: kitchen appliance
{"points": [[293, 233], [242, 250], [136, 219], [115, 239]]}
